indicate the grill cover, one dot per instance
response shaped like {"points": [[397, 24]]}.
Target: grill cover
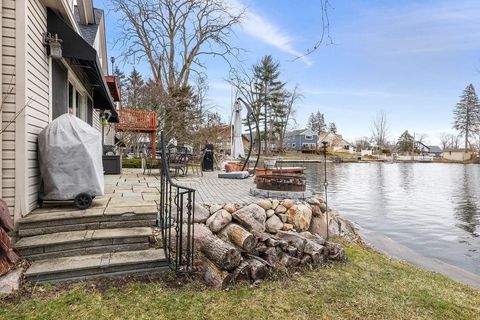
{"points": [[70, 158]]}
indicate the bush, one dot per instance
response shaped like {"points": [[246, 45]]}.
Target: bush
{"points": [[132, 163]]}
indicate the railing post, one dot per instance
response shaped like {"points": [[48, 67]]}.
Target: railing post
{"points": [[180, 198]]}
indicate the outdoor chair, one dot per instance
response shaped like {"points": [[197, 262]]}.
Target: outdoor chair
{"points": [[149, 163], [177, 161], [195, 164]]}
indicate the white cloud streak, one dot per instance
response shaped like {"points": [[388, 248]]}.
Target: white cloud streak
{"points": [[259, 27]]}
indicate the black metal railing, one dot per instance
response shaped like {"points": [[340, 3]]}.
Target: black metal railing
{"points": [[176, 216]]}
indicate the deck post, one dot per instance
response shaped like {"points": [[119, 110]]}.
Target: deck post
{"points": [[154, 144]]}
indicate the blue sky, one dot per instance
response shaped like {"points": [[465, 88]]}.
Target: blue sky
{"points": [[411, 59]]}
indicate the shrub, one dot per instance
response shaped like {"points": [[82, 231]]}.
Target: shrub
{"points": [[132, 163]]}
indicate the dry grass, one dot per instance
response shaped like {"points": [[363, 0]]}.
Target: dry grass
{"points": [[368, 286]]}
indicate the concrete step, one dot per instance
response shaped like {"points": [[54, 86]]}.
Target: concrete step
{"points": [[40, 222], [97, 265], [83, 242]]}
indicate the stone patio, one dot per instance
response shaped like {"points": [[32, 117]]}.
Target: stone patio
{"points": [[133, 188]]}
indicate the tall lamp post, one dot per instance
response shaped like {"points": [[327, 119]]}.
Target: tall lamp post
{"points": [[325, 182]]}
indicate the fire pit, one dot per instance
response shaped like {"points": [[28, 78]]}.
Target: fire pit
{"points": [[282, 182], [287, 182]]}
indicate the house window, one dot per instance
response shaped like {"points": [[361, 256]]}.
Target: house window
{"points": [[77, 103], [308, 137]]}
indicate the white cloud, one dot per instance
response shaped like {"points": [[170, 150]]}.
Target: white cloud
{"points": [[259, 27]]}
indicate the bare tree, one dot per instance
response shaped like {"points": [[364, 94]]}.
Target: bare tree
{"points": [[421, 137], [449, 141], [172, 36], [380, 128], [444, 140], [292, 98]]}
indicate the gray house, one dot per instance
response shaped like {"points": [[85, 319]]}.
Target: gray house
{"points": [[435, 151], [303, 139]]}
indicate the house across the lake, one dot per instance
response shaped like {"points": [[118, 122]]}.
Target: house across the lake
{"points": [[302, 139], [53, 61], [335, 142], [435, 151], [458, 154]]}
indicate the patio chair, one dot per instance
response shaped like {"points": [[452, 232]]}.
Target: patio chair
{"points": [[149, 163], [195, 164], [177, 161]]}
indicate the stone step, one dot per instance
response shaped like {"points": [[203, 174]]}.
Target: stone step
{"points": [[38, 222], [83, 242], [97, 265]]}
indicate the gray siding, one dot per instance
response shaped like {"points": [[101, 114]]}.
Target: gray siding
{"points": [[9, 105]]}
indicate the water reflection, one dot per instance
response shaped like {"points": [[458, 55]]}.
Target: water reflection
{"points": [[434, 209], [466, 206]]}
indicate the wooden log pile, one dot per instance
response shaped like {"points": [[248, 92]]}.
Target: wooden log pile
{"points": [[244, 249]]}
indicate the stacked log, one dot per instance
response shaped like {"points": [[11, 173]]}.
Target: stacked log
{"points": [[245, 248]]}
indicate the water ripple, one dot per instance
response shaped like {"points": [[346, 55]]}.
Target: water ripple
{"points": [[434, 209]]}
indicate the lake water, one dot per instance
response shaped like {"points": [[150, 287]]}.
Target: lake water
{"points": [[432, 209]]}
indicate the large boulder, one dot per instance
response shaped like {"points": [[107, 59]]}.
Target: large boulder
{"points": [[264, 203], [219, 220], [252, 217], [10, 282], [275, 203], [323, 207], [215, 207], [273, 224], [200, 216], [300, 216], [280, 209], [230, 207], [270, 212], [318, 226], [313, 201], [288, 203]]}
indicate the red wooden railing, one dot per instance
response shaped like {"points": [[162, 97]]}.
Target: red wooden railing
{"points": [[137, 120]]}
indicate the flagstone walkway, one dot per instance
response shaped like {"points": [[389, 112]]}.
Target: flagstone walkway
{"points": [[132, 187]]}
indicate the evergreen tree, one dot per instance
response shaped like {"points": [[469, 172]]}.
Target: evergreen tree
{"points": [[316, 122], [122, 84], [270, 103], [405, 142], [134, 90], [467, 114], [332, 127]]}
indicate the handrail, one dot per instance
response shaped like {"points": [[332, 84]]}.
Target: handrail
{"points": [[179, 254], [131, 119]]}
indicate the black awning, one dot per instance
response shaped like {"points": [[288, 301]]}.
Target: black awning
{"points": [[75, 47]]}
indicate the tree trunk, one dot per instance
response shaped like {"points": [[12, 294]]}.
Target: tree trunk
{"points": [[258, 270], [242, 272], [222, 253], [213, 275], [270, 255], [295, 239], [241, 237]]}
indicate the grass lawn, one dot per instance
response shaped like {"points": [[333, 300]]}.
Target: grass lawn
{"points": [[368, 286]]}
